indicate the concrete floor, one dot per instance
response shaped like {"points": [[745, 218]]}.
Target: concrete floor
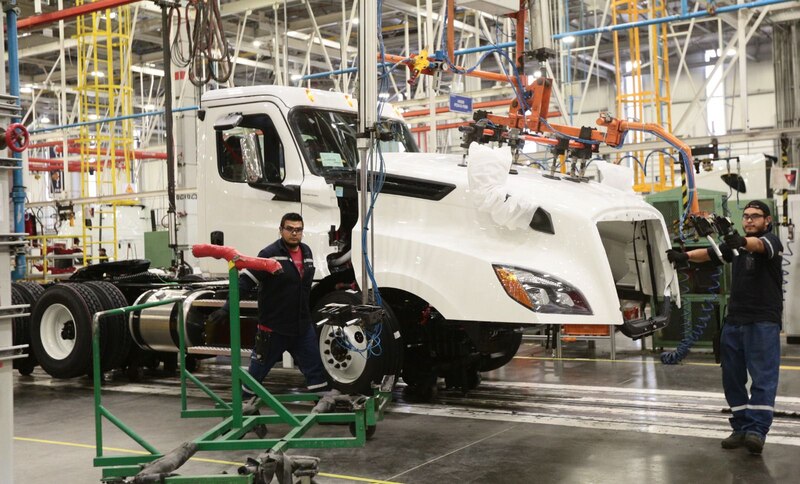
{"points": [[581, 419]]}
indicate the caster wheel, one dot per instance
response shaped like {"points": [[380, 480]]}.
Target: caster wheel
{"points": [[370, 430]]}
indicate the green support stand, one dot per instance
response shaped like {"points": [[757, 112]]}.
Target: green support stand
{"points": [[227, 434]]}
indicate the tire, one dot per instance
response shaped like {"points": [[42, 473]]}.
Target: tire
{"points": [[114, 327], [506, 344], [356, 373], [61, 331], [24, 292]]}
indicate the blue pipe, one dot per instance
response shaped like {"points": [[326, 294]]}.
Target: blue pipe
{"points": [[470, 50], [339, 71], [671, 18], [18, 189], [108, 120], [484, 48], [684, 6]]}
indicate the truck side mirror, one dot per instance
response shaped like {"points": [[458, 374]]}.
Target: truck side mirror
{"points": [[217, 237], [252, 158]]}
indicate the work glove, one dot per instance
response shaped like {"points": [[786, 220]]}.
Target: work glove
{"points": [[677, 257], [734, 241]]}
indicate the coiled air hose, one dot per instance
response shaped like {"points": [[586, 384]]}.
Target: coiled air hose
{"points": [[693, 332]]}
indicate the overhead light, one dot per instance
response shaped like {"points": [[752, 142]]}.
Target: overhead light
{"points": [[384, 95], [92, 117], [570, 39], [98, 74], [730, 52], [149, 107], [27, 89], [257, 44], [355, 21], [44, 120], [536, 75], [296, 77]]}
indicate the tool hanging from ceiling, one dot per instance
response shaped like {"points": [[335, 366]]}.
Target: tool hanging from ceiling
{"points": [[207, 54]]}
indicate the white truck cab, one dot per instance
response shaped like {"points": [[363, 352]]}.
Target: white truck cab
{"points": [[459, 283]]}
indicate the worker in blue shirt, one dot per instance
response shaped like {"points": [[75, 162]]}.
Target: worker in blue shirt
{"points": [[284, 313], [750, 340]]}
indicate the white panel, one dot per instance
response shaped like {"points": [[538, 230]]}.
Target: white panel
{"points": [[791, 269], [493, 7]]}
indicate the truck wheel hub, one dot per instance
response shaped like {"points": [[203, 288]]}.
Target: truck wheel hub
{"points": [[57, 331], [344, 353]]}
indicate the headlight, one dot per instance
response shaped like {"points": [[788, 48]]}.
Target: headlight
{"points": [[541, 293]]}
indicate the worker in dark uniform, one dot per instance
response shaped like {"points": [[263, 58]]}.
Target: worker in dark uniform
{"points": [[284, 313], [750, 340]]}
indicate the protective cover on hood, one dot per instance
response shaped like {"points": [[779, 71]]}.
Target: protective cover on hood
{"points": [[487, 170]]}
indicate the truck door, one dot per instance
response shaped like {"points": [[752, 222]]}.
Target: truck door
{"points": [[243, 201]]}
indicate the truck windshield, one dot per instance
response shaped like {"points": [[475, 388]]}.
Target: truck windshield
{"points": [[328, 138]]}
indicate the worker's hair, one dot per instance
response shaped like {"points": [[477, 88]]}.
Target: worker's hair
{"points": [[292, 217]]}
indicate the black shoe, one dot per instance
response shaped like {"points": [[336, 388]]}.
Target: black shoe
{"points": [[733, 441], [754, 443]]}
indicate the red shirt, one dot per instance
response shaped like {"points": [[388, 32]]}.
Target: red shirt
{"points": [[297, 258]]}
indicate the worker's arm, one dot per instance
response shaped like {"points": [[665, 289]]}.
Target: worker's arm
{"points": [[680, 258], [750, 244], [698, 255]]}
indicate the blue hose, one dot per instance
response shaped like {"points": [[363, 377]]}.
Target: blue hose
{"points": [[692, 332]]}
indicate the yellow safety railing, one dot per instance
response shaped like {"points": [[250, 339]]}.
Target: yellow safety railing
{"points": [[105, 90], [45, 261], [643, 95]]}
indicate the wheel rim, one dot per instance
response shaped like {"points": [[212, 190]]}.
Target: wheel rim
{"points": [[351, 361], [57, 331]]}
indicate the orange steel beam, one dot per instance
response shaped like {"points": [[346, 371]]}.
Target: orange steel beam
{"points": [[617, 128], [69, 13]]}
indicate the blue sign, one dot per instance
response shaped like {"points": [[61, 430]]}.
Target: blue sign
{"points": [[460, 104]]}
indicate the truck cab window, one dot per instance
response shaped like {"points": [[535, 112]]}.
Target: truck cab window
{"points": [[327, 139], [229, 150]]}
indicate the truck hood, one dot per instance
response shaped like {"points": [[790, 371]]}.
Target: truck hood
{"points": [[490, 218], [594, 200]]}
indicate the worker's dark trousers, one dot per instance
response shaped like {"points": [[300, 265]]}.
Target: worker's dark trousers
{"points": [[303, 348], [753, 348]]}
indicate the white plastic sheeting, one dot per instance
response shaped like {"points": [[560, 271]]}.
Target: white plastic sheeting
{"points": [[487, 170]]}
